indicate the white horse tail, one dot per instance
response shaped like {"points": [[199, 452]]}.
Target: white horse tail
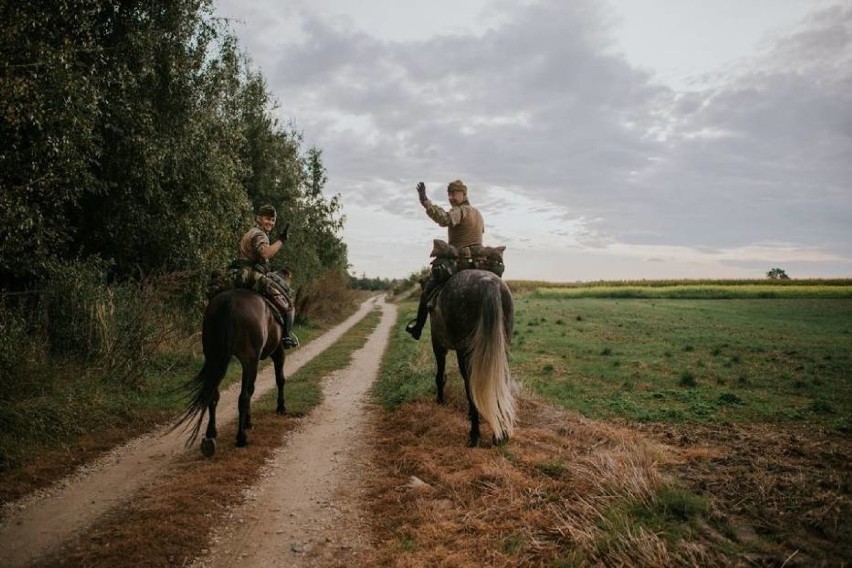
{"points": [[490, 378]]}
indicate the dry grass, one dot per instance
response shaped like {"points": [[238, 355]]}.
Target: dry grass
{"points": [[552, 496], [568, 491]]}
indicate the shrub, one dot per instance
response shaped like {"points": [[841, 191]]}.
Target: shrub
{"points": [[321, 299]]}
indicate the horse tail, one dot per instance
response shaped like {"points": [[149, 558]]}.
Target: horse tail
{"points": [[490, 378], [218, 342]]}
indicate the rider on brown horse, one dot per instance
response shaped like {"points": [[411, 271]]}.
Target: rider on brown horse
{"points": [[464, 227], [253, 271]]}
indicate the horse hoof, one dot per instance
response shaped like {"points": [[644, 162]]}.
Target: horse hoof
{"points": [[281, 410], [208, 447], [501, 441], [242, 443], [473, 443]]}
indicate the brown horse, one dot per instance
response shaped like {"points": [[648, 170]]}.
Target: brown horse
{"points": [[238, 323], [474, 315]]}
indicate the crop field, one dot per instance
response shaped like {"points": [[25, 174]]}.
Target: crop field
{"points": [[700, 292]]}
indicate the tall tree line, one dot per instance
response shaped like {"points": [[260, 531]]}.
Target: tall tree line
{"points": [[135, 133]]}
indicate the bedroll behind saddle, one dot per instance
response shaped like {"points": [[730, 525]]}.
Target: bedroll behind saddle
{"points": [[448, 259]]}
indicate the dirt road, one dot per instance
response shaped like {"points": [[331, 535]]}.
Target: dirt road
{"points": [[303, 511], [37, 526]]}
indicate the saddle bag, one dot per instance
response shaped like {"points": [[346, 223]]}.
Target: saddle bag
{"points": [[448, 259]]}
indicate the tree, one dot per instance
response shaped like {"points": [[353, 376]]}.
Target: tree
{"points": [[137, 134], [50, 58], [777, 274]]}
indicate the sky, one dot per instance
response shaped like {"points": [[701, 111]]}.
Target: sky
{"points": [[600, 139]]}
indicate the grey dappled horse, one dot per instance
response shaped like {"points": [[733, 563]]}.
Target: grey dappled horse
{"points": [[238, 323], [474, 315]]}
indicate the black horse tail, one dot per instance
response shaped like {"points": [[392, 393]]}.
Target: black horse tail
{"points": [[218, 342], [490, 378]]}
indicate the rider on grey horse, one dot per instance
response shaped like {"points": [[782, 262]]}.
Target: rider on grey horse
{"points": [[464, 227]]}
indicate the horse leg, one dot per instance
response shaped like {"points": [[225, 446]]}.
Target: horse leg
{"points": [[278, 362], [211, 420], [441, 363], [244, 404], [471, 407]]}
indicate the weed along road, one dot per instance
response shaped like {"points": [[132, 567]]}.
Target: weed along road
{"points": [[39, 525]]}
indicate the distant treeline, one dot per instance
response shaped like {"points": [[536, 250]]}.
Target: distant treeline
{"points": [[393, 285]]}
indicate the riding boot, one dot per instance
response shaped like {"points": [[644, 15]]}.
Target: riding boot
{"points": [[415, 326], [288, 340]]}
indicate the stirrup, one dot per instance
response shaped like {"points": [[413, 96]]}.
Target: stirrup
{"points": [[290, 341]]}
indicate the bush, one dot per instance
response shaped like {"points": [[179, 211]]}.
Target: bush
{"points": [[76, 354], [75, 298], [322, 299], [21, 354]]}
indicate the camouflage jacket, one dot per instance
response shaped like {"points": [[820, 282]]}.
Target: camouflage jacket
{"points": [[251, 244], [464, 223]]}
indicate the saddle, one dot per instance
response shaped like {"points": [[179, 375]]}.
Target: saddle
{"points": [[222, 281], [448, 259]]}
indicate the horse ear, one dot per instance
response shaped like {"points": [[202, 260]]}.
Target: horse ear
{"points": [[501, 249]]}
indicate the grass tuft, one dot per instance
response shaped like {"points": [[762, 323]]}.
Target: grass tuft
{"points": [[687, 379]]}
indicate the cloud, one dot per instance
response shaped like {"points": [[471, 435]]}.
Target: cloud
{"points": [[600, 155], [760, 155]]}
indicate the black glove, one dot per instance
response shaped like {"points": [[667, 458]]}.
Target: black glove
{"points": [[421, 191], [283, 235]]}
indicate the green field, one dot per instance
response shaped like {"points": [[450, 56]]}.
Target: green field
{"points": [[688, 359]]}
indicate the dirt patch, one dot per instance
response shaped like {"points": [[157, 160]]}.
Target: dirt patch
{"points": [[167, 522], [54, 465], [781, 491]]}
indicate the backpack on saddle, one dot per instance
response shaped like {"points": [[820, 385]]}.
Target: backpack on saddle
{"points": [[448, 259]]}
